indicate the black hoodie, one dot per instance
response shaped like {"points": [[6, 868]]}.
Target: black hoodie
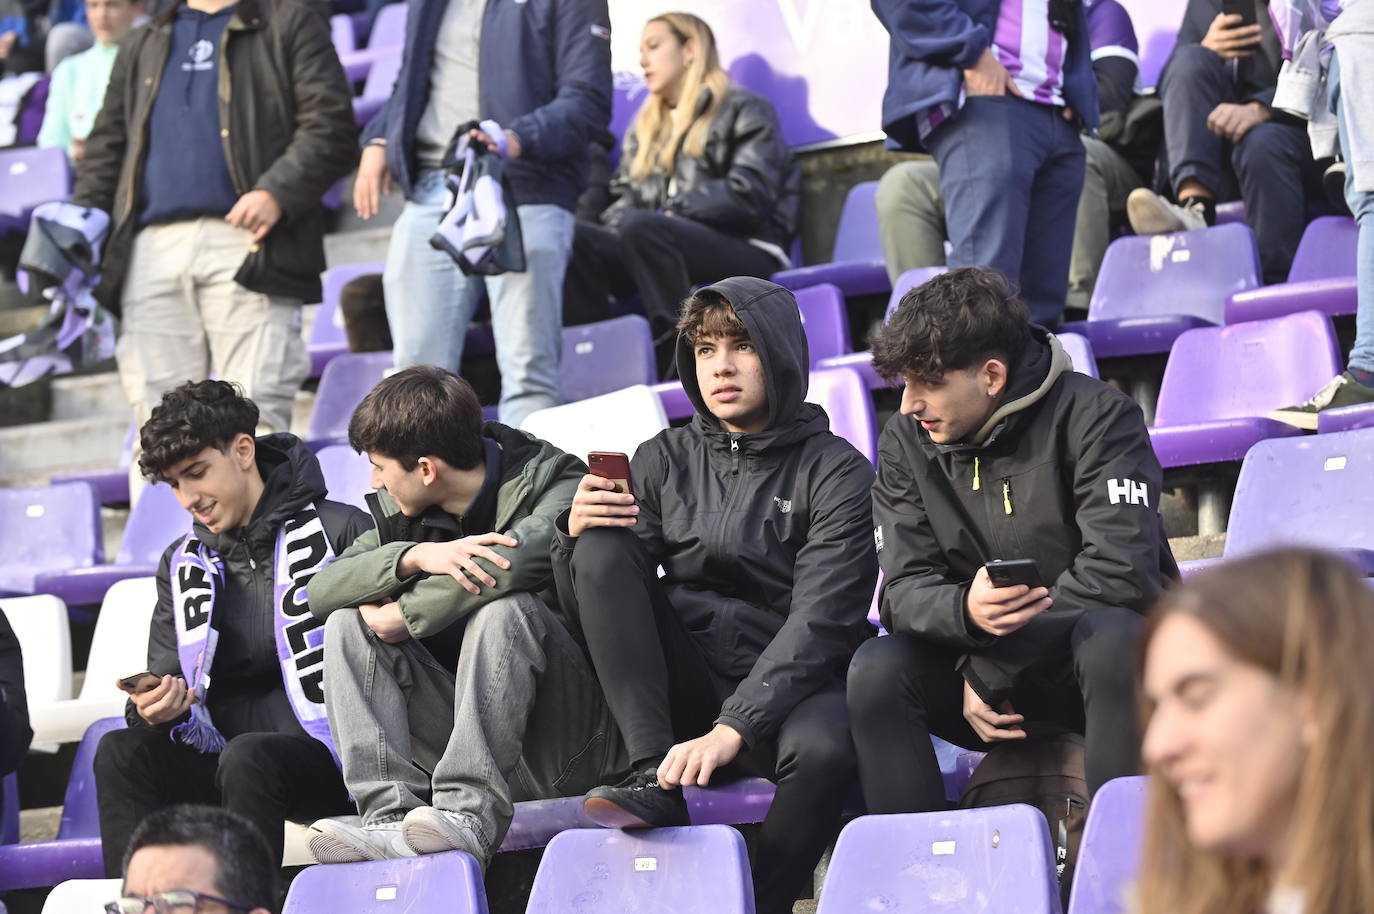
{"points": [[765, 540], [1062, 472], [248, 695]]}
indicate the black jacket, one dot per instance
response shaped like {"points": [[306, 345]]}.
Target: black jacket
{"points": [[765, 539], [1062, 473], [15, 732], [247, 694], [287, 122], [745, 183]]}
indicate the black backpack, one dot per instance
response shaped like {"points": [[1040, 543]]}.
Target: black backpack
{"points": [[1048, 774]]}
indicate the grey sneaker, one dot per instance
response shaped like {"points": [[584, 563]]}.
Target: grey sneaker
{"points": [[1342, 390], [1151, 214], [427, 830], [342, 841]]}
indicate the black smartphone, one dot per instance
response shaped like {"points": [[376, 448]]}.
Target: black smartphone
{"points": [[614, 466], [1245, 9], [139, 682], [1010, 572]]}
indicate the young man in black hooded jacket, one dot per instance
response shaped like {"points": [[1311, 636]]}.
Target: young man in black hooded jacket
{"points": [[1001, 451], [761, 520]]}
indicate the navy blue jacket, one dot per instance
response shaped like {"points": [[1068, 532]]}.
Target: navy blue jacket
{"points": [[544, 71], [933, 41]]}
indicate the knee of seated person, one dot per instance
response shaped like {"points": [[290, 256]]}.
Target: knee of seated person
{"points": [[344, 624], [115, 751], [244, 761], [898, 183], [1111, 639], [601, 555], [501, 614], [828, 756], [1264, 147], [1188, 62], [873, 672], [639, 224]]}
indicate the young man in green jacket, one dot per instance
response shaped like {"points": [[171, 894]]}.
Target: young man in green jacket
{"points": [[453, 624]]}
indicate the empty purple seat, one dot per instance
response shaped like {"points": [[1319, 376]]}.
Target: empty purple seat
{"points": [[157, 519], [1221, 382], [346, 380], [30, 176], [996, 859], [664, 870], [1108, 856], [862, 362], [48, 528], [347, 474], [1345, 419], [1152, 288], [327, 336], [844, 396], [856, 262], [605, 356], [1322, 277], [825, 320], [1232, 212], [1080, 352], [1327, 249], [450, 882], [111, 483], [75, 853]]}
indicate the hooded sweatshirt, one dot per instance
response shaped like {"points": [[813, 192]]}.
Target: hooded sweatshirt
{"points": [[1062, 472], [765, 539], [248, 694]]}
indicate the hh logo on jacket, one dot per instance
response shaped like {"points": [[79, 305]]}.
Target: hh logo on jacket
{"points": [[1129, 491], [784, 504]]}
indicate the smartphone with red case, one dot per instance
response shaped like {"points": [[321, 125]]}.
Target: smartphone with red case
{"points": [[613, 466]]}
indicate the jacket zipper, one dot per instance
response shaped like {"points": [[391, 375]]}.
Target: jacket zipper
{"points": [[977, 482], [1006, 495], [730, 496]]}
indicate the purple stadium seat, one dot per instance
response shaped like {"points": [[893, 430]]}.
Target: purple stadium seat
{"points": [[111, 483], [327, 337], [75, 853], [856, 262], [388, 35], [1221, 381], [1107, 858], [347, 474], [1322, 277], [1314, 490], [664, 870], [1232, 212], [862, 362], [993, 859], [1345, 419], [842, 393], [1327, 249], [450, 882], [1152, 288], [1080, 352], [605, 356], [157, 519], [381, 78], [30, 176], [346, 380], [48, 528], [825, 320]]}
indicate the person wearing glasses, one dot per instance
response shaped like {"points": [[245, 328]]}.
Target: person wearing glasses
{"points": [[190, 859]]}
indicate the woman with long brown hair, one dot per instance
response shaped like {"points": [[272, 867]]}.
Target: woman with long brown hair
{"points": [[1259, 738], [706, 186]]}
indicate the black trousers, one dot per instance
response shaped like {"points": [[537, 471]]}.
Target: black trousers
{"points": [[268, 778], [661, 691], [903, 690], [1272, 162], [661, 258]]}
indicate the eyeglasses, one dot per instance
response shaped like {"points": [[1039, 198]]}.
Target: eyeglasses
{"points": [[175, 901]]}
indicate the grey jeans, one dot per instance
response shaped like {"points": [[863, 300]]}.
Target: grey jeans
{"points": [[911, 213], [523, 719]]}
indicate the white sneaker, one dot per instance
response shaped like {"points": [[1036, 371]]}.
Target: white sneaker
{"points": [[342, 841], [427, 830], [1151, 214]]}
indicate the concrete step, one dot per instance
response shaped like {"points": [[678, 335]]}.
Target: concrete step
{"points": [[62, 445], [89, 397]]}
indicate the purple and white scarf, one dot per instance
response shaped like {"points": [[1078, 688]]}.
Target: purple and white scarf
{"points": [[302, 549]]}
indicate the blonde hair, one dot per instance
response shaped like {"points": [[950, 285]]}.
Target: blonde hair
{"points": [[660, 130], [1308, 619]]}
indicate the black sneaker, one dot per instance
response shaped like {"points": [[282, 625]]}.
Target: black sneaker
{"points": [[636, 802]]}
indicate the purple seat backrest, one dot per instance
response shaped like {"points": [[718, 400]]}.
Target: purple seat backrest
{"points": [[1315, 490], [346, 380], [908, 281], [1247, 369], [389, 28], [605, 356], [156, 521], [1182, 273], [341, 32], [856, 237], [48, 527], [386, 66], [664, 870], [1327, 249], [1080, 351], [328, 326], [1107, 858], [80, 813], [824, 319], [844, 396], [30, 176], [450, 882], [347, 474], [1156, 27], [991, 859]]}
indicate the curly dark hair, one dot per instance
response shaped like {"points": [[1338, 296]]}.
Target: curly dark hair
{"points": [[952, 322], [190, 418], [708, 314], [422, 411]]}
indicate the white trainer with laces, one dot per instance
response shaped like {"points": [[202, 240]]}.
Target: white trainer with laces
{"points": [[343, 841], [1151, 214]]}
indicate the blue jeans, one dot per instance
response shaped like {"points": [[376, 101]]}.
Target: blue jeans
{"points": [[1361, 203], [430, 303], [1011, 172]]}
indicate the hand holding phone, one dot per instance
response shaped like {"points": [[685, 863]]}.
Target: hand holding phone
{"points": [[613, 466], [139, 682], [1002, 610], [1010, 572], [603, 500], [158, 700], [1234, 32]]}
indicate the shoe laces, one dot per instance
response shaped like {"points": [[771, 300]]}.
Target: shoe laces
{"points": [[1322, 398]]}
